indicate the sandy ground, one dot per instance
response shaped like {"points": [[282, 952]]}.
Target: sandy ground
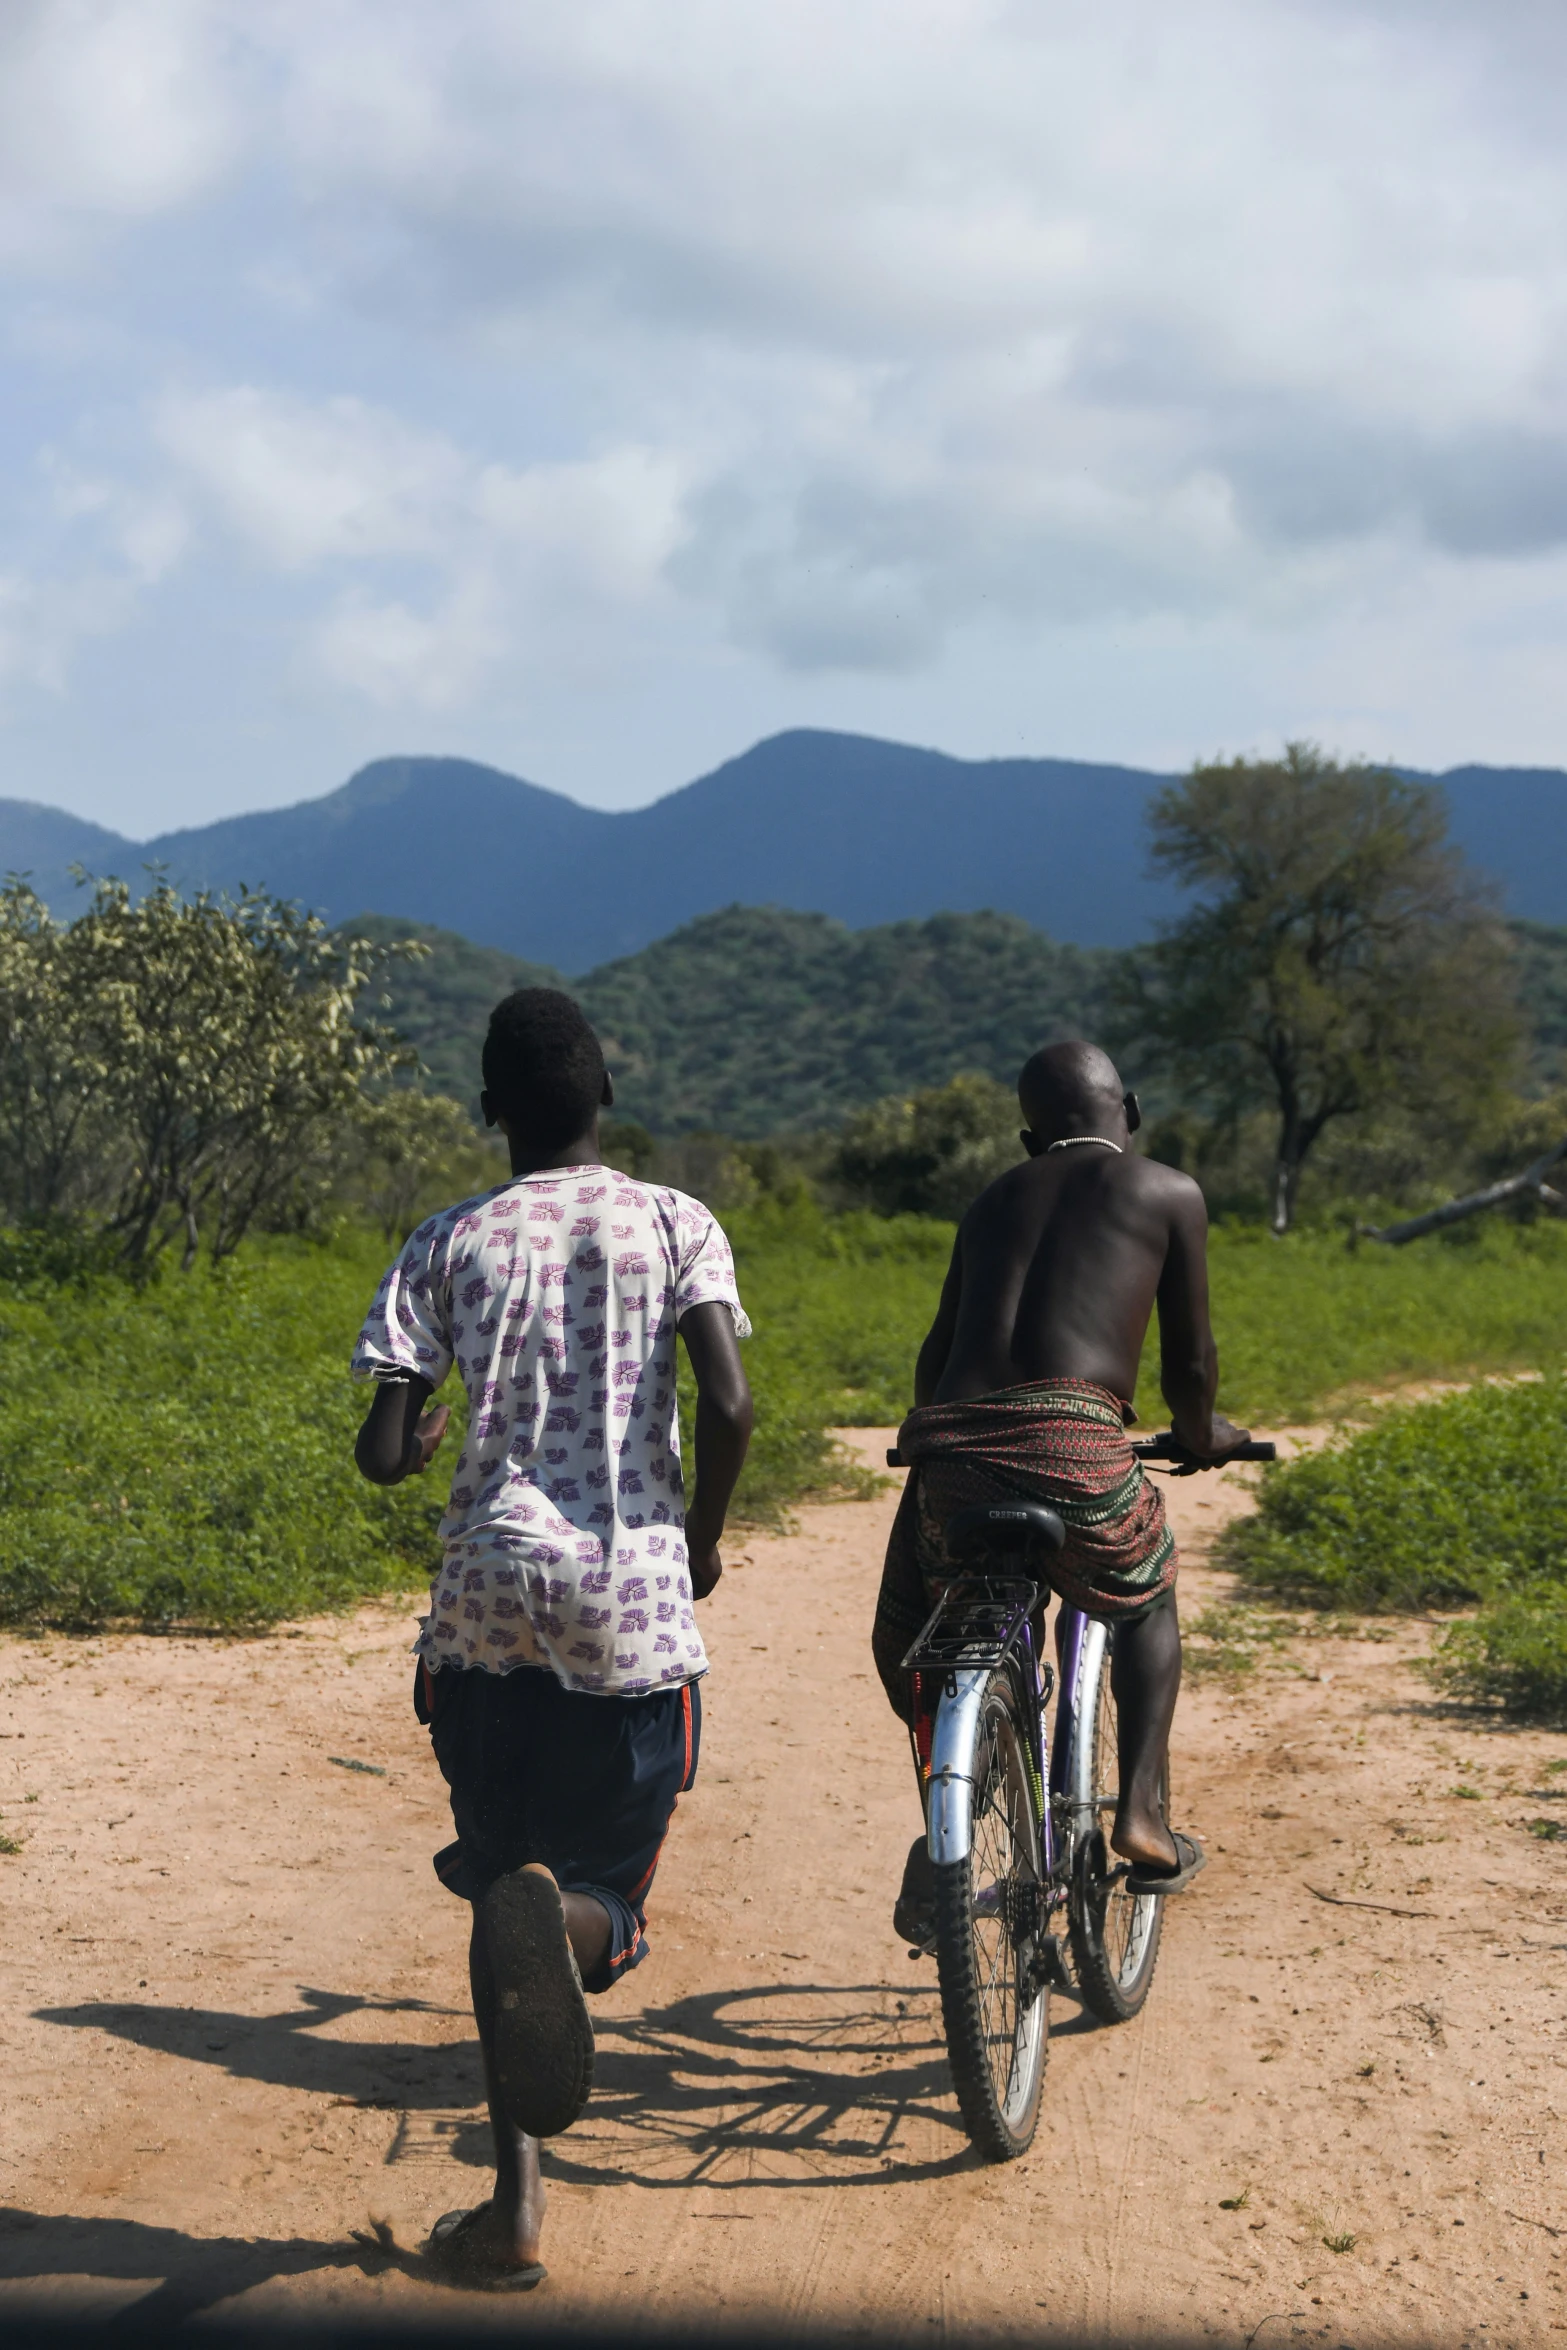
{"points": [[232, 2006]]}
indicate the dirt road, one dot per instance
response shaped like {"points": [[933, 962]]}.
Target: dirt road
{"points": [[234, 2022]]}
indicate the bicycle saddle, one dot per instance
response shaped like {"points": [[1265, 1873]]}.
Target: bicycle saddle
{"points": [[1007, 1529]]}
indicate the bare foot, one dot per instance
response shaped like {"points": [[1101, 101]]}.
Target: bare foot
{"points": [[1144, 1840]]}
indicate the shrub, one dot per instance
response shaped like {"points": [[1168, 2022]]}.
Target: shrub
{"points": [[1513, 1652], [1436, 1505], [930, 1153], [177, 1069]]}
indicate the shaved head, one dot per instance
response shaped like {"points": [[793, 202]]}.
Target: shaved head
{"points": [[1068, 1088]]}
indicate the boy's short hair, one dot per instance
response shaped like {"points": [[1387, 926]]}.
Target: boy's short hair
{"points": [[543, 1068]]}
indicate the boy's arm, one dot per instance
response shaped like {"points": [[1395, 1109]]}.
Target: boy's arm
{"points": [[723, 1431], [1188, 1357], [932, 1358], [394, 1441]]}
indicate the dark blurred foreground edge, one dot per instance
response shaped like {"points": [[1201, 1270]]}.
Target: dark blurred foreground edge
{"points": [[483, 2321]]}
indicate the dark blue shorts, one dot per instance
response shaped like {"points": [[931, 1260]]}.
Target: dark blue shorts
{"points": [[539, 1772]]}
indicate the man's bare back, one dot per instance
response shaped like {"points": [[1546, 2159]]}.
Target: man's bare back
{"points": [[1059, 1265]]}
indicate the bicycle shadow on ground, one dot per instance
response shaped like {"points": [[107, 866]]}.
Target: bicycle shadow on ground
{"points": [[800, 2085], [187, 2274]]}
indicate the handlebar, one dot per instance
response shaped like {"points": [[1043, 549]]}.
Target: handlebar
{"points": [[1168, 1447]]}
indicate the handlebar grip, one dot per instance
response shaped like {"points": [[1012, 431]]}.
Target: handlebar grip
{"points": [[895, 1459]]}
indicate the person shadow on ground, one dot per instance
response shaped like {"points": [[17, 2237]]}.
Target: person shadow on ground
{"points": [[188, 2274]]}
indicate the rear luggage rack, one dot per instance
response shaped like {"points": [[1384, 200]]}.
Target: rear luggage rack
{"points": [[974, 1624]]}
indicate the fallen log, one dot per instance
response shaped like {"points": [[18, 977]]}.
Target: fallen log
{"points": [[1531, 1183]]}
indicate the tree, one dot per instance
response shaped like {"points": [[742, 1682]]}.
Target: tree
{"points": [[403, 1154], [930, 1153], [1341, 957], [54, 1120], [178, 1067]]}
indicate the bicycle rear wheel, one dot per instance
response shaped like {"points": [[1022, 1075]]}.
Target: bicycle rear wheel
{"points": [[997, 2019], [1114, 1934]]}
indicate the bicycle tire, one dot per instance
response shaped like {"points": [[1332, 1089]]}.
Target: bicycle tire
{"points": [[996, 2018], [1114, 1934]]}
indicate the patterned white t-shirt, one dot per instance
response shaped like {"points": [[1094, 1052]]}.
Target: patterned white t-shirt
{"points": [[557, 1298]]}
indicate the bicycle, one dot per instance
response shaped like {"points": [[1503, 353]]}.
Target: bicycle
{"points": [[1015, 1814]]}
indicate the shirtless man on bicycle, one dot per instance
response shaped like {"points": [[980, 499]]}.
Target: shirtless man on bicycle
{"points": [[1023, 1391]]}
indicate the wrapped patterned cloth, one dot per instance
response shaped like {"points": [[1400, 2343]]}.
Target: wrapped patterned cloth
{"points": [[1058, 1441]]}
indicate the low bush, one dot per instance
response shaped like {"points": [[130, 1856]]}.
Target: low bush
{"points": [[1514, 1652], [1434, 1506]]}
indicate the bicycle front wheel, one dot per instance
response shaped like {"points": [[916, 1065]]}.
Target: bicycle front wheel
{"points": [[987, 1911], [1115, 1934]]}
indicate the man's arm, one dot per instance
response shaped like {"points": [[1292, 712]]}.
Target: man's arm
{"points": [[398, 1438], [932, 1358], [1188, 1358], [723, 1431]]}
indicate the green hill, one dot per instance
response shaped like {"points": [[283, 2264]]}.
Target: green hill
{"points": [[442, 1002], [756, 1021]]}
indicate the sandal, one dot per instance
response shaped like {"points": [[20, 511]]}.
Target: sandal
{"points": [[543, 2034], [448, 2250], [1190, 1858]]}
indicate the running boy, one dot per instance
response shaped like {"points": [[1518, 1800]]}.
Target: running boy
{"points": [[560, 1662]]}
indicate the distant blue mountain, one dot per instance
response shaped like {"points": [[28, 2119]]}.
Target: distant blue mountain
{"points": [[44, 843], [867, 831]]}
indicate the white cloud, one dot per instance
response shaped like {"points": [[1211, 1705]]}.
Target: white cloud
{"points": [[530, 342], [44, 621], [307, 483], [504, 555], [110, 111], [405, 660], [966, 307]]}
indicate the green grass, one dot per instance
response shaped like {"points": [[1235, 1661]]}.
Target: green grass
{"points": [[1436, 1505], [839, 1305], [181, 1454], [1306, 1323], [842, 1301]]}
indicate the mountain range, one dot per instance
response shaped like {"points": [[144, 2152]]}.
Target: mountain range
{"points": [[866, 832]]}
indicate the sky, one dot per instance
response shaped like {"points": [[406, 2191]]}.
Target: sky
{"points": [[596, 386]]}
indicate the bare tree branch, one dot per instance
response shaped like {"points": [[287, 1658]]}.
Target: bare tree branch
{"points": [[1530, 1182]]}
